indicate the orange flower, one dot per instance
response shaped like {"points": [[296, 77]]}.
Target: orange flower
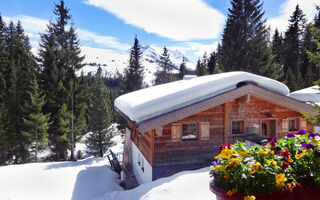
{"points": [[232, 192]]}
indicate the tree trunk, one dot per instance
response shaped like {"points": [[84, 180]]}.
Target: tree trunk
{"points": [[72, 131], [36, 132]]}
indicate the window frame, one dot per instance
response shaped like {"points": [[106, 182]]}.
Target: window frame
{"points": [[296, 124], [241, 127], [196, 130]]}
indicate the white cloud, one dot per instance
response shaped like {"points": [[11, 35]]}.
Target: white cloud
{"points": [[286, 10], [34, 26], [176, 19]]}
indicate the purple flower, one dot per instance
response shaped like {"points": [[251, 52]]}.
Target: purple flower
{"points": [[307, 146], [301, 132], [290, 135], [312, 135], [278, 148], [274, 139], [214, 163], [299, 151]]}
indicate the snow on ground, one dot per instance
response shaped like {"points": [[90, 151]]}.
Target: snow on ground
{"points": [[150, 102], [92, 179], [81, 180], [185, 185]]}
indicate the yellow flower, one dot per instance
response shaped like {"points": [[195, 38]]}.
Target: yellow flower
{"points": [[298, 156], [249, 197], [227, 176], [315, 141], [244, 153], [280, 180], [263, 152], [234, 162], [225, 153], [217, 168], [231, 192], [290, 160], [272, 162], [272, 152], [255, 167]]}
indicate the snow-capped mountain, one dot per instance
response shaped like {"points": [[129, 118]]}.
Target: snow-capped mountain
{"points": [[112, 61]]}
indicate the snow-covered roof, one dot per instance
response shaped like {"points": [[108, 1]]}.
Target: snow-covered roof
{"points": [[307, 94], [151, 102]]}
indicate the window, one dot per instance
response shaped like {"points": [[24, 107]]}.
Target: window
{"points": [[142, 164], [264, 129], [237, 127], [292, 125], [189, 131]]}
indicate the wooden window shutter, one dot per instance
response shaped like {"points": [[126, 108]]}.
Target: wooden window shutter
{"points": [[285, 126], [175, 132], [303, 123], [159, 130], [204, 130]]}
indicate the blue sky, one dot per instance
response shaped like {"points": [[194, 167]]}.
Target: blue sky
{"points": [[190, 26]]}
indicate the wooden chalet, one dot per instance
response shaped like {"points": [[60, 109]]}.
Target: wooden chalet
{"points": [[166, 137]]}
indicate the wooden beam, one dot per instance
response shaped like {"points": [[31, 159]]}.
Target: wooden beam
{"points": [[244, 99], [225, 120], [152, 146]]}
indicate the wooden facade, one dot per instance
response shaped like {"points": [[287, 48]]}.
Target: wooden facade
{"points": [[239, 113]]}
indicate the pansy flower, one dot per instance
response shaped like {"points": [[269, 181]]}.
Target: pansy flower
{"points": [[307, 146], [301, 132], [290, 135]]}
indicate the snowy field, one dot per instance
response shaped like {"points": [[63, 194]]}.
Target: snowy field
{"points": [[92, 178]]}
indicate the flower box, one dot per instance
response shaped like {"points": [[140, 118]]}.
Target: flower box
{"points": [[287, 168]]}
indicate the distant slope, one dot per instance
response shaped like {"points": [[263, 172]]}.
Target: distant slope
{"points": [[112, 62]]}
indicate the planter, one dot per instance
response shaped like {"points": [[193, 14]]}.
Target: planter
{"points": [[307, 192], [221, 195]]}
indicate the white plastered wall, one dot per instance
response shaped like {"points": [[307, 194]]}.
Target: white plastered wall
{"points": [[145, 175]]}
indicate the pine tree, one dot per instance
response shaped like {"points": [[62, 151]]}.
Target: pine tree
{"points": [[36, 124], [212, 62], [3, 64], [277, 47], [100, 119], [245, 39], [164, 72], [201, 67], [182, 69], [133, 74], [59, 56], [315, 59], [292, 45], [3, 61], [19, 75]]}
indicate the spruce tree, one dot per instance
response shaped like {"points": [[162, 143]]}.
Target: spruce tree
{"points": [[212, 60], [292, 45], [20, 73], [133, 74], [183, 69], [245, 39], [36, 124], [277, 47], [59, 56], [100, 118], [201, 67], [3, 65], [164, 72]]}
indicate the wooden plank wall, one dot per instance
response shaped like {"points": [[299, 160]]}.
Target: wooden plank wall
{"points": [[167, 152]]}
